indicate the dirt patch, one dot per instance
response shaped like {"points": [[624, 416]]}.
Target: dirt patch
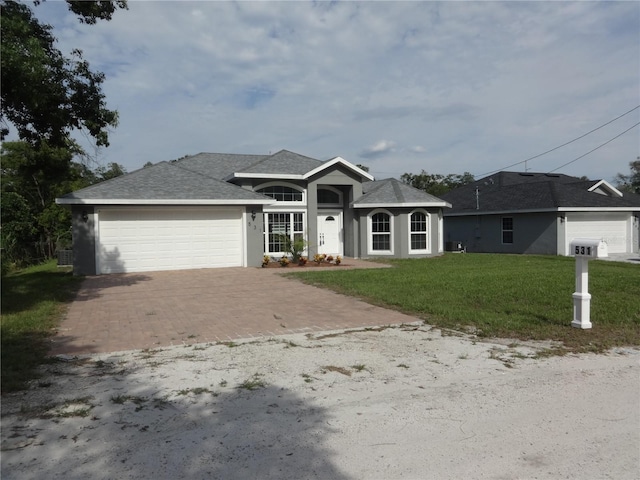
{"points": [[372, 403]]}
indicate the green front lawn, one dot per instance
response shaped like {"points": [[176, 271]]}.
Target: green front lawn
{"points": [[33, 301], [509, 296]]}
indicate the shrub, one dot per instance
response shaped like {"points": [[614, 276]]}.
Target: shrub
{"points": [[284, 261], [294, 247]]}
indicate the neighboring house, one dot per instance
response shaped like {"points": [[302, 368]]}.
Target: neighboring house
{"points": [[222, 210], [539, 213]]}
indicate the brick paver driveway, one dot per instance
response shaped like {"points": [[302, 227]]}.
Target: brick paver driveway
{"points": [[148, 310]]}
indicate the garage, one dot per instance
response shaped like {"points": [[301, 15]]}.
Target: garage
{"points": [[612, 227], [168, 238]]}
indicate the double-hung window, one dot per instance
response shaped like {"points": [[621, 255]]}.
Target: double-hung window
{"points": [[380, 228], [507, 230], [418, 239]]}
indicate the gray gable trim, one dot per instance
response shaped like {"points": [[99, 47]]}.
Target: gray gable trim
{"points": [[535, 192], [393, 193], [364, 176], [163, 183]]}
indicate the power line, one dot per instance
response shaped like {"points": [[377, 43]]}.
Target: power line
{"points": [[599, 146], [567, 143]]}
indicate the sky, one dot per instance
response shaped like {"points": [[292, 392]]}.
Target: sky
{"points": [[401, 87]]}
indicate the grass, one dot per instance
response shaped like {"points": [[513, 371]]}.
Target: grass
{"points": [[33, 301], [76, 407], [253, 383], [195, 391], [333, 368], [510, 296]]}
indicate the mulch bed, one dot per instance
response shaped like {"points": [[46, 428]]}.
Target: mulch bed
{"points": [[307, 265]]}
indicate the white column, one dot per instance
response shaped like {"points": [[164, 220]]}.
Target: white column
{"points": [[581, 297]]}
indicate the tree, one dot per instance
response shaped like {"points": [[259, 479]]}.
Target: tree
{"points": [[46, 95], [436, 184], [91, 12], [630, 183], [32, 177], [112, 170], [33, 225], [363, 167]]}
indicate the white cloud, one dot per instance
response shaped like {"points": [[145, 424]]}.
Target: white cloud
{"points": [[378, 149], [478, 85]]}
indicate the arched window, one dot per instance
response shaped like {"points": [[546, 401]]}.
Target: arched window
{"points": [[282, 193], [329, 196], [380, 232], [419, 232]]}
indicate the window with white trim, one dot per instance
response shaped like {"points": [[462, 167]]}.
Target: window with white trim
{"points": [[282, 193], [418, 232], [380, 236], [329, 196], [276, 225], [507, 230]]}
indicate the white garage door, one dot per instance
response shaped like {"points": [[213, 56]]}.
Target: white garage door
{"points": [[143, 240], [611, 227]]}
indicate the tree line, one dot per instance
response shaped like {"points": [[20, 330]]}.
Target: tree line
{"points": [[437, 184], [46, 97], [34, 227]]}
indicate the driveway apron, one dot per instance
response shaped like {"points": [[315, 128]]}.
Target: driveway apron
{"points": [[156, 309]]}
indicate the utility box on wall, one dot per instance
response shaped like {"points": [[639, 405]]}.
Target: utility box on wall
{"points": [[65, 258]]}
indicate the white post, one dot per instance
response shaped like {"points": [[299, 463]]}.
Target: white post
{"points": [[581, 297]]}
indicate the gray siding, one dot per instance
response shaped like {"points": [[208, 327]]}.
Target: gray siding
{"points": [[352, 244], [400, 241], [255, 236], [350, 185], [533, 233]]}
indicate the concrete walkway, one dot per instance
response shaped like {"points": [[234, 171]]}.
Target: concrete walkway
{"points": [[624, 257], [149, 310]]}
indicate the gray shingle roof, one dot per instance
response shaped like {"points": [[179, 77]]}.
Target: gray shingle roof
{"points": [[201, 178], [218, 165], [391, 191], [512, 191], [518, 178], [283, 162], [164, 181]]}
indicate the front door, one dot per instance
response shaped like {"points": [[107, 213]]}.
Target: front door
{"points": [[330, 232]]}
